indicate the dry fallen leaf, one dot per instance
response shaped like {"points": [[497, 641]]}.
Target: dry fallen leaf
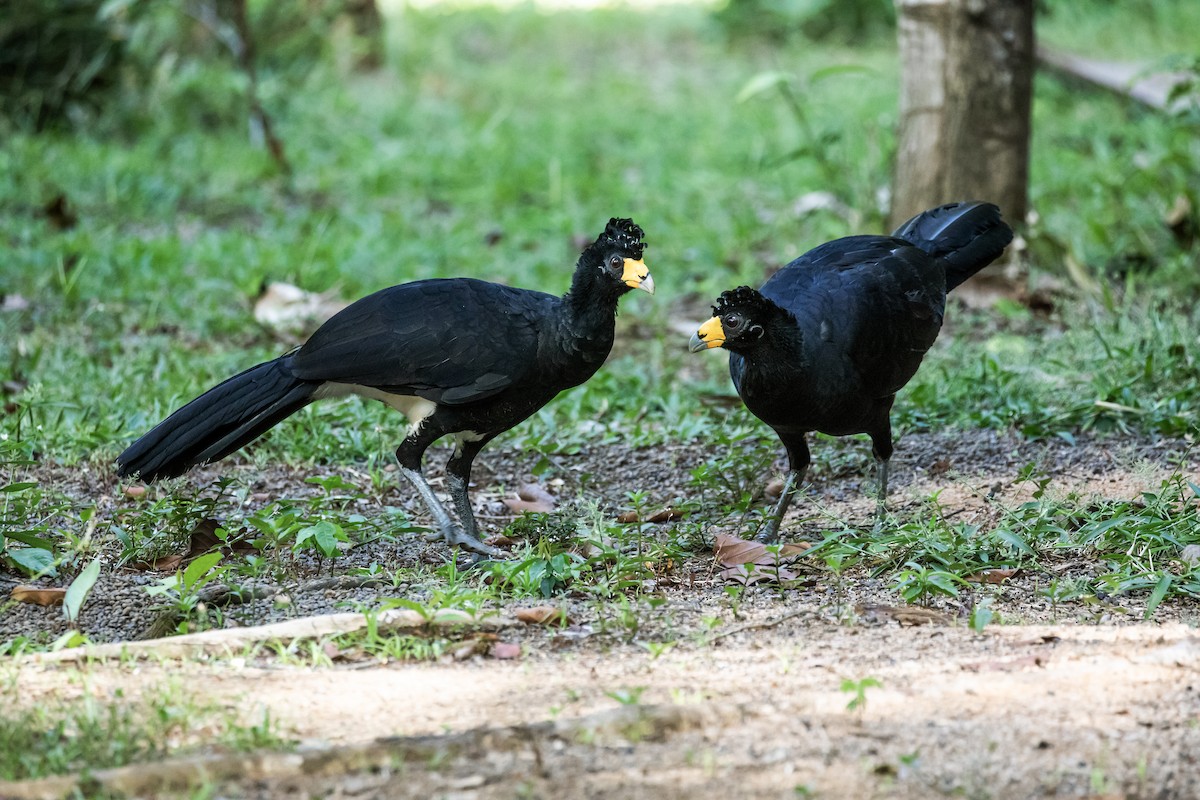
{"points": [[167, 563], [332, 651], [466, 650], [135, 492], [291, 312], [665, 515], [204, 539], [39, 595], [505, 650], [877, 612], [732, 551], [518, 506], [13, 302], [499, 540], [542, 615], [750, 574], [535, 493], [531, 497], [992, 575]]}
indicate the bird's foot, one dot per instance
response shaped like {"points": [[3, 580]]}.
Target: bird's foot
{"points": [[457, 537], [769, 535], [883, 519]]}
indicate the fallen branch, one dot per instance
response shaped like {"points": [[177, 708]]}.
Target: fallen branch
{"points": [[223, 595], [627, 723], [1136, 81], [754, 626], [227, 641]]}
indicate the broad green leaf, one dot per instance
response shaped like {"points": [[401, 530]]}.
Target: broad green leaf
{"points": [[34, 561], [761, 83], [328, 536], [79, 589], [325, 534], [196, 571], [17, 487]]}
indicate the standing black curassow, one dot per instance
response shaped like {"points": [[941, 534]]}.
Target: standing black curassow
{"points": [[828, 340], [458, 357]]}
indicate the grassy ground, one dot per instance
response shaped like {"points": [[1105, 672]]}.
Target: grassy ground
{"points": [[492, 143]]}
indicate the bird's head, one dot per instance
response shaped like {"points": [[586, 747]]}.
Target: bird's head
{"points": [[618, 252], [738, 321]]}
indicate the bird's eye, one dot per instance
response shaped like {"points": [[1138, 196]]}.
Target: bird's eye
{"points": [[615, 261], [732, 322]]}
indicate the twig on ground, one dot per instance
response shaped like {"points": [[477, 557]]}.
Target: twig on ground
{"points": [[226, 641], [752, 626], [222, 595]]}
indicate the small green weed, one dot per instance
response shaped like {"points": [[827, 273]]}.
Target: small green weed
{"points": [[55, 737], [858, 692]]}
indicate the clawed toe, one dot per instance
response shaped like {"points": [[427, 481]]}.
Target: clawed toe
{"points": [[456, 537]]}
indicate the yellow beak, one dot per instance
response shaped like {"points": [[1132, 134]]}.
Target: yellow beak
{"points": [[637, 275], [710, 335]]}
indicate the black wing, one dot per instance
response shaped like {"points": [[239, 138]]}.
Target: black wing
{"points": [[452, 341], [873, 301]]}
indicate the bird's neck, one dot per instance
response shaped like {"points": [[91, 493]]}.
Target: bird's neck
{"points": [[591, 304], [782, 342]]}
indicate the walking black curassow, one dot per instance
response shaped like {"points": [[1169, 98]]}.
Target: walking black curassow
{"points": [[457, 356], [828, 340]]}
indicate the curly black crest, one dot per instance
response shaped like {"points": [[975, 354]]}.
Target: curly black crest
{"points": [[625, 234], [744, 299]]}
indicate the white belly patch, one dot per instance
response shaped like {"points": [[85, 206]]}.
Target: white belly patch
{"points": [[415, 409]]}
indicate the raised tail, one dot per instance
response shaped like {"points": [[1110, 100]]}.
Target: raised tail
{"points": [[218, 422], [966, 237]]}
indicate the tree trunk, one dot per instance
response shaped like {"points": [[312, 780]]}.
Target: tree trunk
{"points": [[966, 87]]}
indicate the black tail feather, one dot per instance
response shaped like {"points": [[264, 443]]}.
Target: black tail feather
{"points": [[225, 418], [965, 236]]}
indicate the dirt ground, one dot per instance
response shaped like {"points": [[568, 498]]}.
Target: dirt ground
{"points": [[1073, 701]]}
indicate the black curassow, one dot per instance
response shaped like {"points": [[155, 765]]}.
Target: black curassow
{"points": [[457, 356], [828, 340]]}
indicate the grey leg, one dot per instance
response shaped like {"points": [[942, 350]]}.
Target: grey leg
{"points": [[462, 504], [771, 533], [451, 534], [458, 479], [881, 500], [798, 461], [881, 448]]}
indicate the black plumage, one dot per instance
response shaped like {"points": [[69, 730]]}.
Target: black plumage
{"points": [[459, 357], [826, 342]]}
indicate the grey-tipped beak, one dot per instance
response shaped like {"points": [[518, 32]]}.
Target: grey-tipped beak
{"points": [[636, 275], [711, 334]]}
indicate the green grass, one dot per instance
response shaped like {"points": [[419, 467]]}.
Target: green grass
{"points": [[490, 143], [57, 736]]}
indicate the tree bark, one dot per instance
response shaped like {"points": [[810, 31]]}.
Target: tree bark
{"points": [[966, 89]]}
